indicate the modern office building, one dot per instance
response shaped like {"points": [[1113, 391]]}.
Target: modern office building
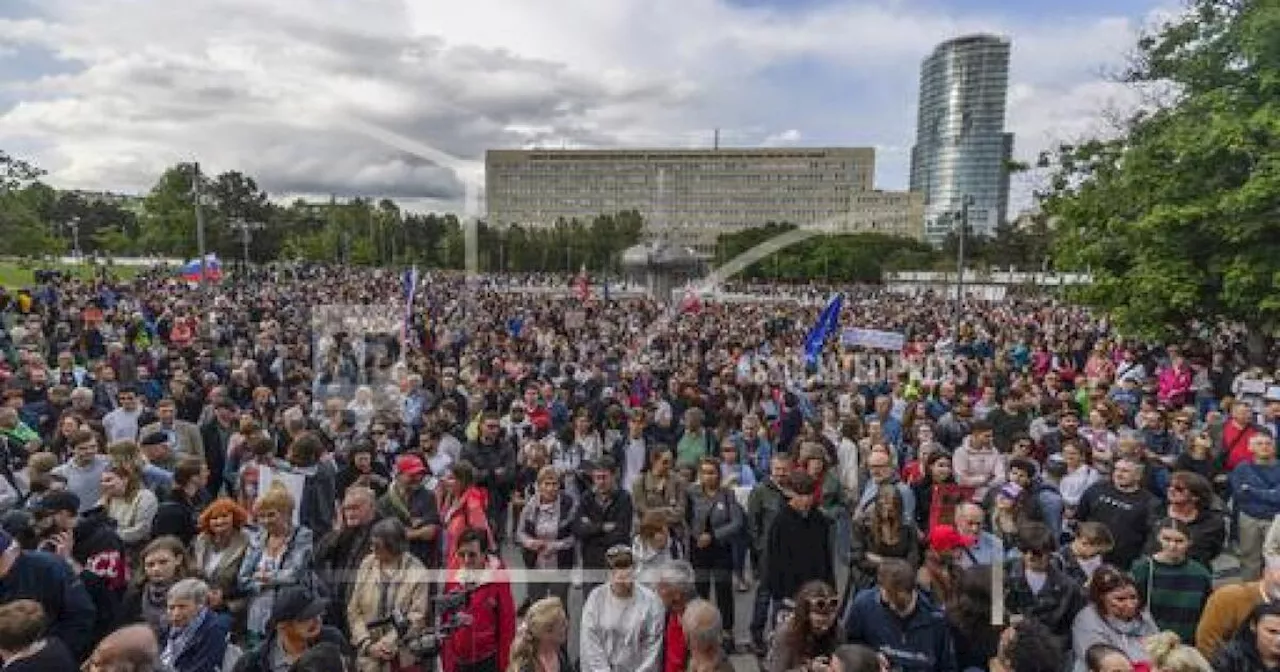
{"points": [[689, 196], [961, 146]]}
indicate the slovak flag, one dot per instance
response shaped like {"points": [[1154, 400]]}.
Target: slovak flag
{"points": [[190, 271]]}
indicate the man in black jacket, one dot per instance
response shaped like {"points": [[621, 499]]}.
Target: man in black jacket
{"points": [[798, 526], [1037, 588], [767, 500], [178, 514], [340, 551], [295, 626], [216, 434], [1125, 507], [494, 457], [604, 520], [47, 579]]}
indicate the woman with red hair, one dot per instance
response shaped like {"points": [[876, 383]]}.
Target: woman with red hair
{"points": [[217, 553]]}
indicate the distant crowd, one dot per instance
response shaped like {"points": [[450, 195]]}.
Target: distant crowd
{"points": [[305, 469]]}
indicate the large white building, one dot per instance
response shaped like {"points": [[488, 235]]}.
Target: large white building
{"points": [[692, 196]]}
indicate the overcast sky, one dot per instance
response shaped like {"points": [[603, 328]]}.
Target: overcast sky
{"points": [[324, 96]]}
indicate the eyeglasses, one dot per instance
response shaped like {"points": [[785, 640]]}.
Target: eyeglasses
{"points": [[824, 605]]}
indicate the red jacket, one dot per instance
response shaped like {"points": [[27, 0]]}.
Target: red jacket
{"points": [[493, 620], [468, 511]]}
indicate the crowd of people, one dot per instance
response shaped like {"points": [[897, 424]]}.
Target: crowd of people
{"points": [[295, 470]]}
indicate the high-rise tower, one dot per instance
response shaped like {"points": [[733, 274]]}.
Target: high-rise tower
{"points": [[961, 146]]}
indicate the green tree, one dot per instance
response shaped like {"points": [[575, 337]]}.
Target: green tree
{"points": [[1177, 218]]}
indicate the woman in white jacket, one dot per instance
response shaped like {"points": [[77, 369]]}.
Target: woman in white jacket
{"points": [[1080, 473]]}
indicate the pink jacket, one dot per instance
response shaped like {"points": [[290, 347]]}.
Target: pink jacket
{"points": [[1173, 385]]}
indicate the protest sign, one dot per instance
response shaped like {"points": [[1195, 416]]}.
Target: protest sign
{"points": [[875, 339]]}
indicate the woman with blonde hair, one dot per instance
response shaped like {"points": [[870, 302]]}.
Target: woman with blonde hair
{"points": [[279, 555], [539, 644], [1169, 654]]}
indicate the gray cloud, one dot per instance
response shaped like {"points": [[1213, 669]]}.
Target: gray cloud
{"points": [[271, 88]]}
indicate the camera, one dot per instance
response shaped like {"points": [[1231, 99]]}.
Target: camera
{"points": [[427, 644]]}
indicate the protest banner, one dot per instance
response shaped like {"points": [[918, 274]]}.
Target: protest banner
{"points": [[853, 337]]}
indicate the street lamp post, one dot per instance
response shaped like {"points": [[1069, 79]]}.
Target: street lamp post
{"points": [[74, 225], [195, 196], [246, 230], [957, 310]]}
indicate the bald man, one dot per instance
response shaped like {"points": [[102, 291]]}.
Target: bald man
{"points": [[132, 648], [702, 631]]}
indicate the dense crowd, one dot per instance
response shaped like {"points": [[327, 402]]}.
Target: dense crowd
{"points": [[282, 472]]}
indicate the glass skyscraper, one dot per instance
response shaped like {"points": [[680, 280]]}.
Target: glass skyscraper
{"points": [[961, 146]]}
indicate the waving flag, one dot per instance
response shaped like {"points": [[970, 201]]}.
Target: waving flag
{"points": [[828, 322], [190, 271], [410, 284]]}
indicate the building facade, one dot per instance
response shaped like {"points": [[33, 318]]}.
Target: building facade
{"points": [[689, 196], [962, 149]]}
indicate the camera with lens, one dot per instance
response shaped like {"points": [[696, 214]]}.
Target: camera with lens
{"points": [[427, 644]]}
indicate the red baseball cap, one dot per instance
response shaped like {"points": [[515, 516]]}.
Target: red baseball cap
{"points": [[410, 465], [944, 538]]}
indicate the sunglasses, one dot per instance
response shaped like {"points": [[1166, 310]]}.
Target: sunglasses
{"points": [[824, 605]]}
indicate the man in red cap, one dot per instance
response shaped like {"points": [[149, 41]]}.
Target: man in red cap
{"points": [[415, 508]]}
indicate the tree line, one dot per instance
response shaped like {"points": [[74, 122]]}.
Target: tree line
{"points": [[36, 219]]}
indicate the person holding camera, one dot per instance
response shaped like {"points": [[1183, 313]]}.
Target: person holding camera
{"points": [[480, 585], [391, 582]]}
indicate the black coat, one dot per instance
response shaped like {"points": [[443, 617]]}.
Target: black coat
{"points": [[215, 456], [259, 659], [495, 467], [589, 526], [177, 517], [48, 580], [787, 569]]}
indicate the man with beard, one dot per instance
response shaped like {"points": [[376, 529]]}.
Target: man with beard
{"points": [[295, 626], [494, 458], [339, 553], [415, 507]]}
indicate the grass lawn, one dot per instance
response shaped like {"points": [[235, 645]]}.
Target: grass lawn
{"points": [[15, 275]]}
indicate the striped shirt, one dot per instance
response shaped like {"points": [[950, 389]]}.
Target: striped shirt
{"points": [[1178, 593]]}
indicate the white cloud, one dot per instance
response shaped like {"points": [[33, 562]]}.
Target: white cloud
{"points": [[268, 88], [790, 136]]}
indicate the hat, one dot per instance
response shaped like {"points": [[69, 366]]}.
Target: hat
{"points": [[945, 538], [154, 439], [295, 603], [410, 465], [58, 500], [1010, 490]]}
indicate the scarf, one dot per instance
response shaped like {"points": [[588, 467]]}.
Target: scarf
{"points": [[180, 639]]}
